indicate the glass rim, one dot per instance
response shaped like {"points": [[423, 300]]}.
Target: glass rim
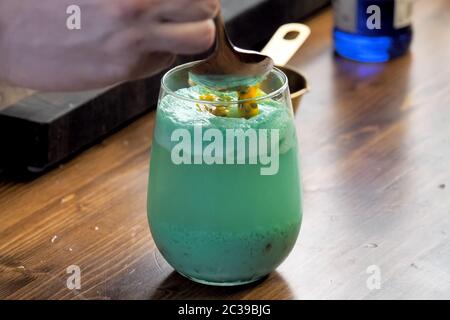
{"points": [[171, 92]]}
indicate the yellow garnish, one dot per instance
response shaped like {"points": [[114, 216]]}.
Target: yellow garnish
{"points": [[208, 97], [246, 110], [248, 92], [219, 111], [250, 108], [260, 93]]}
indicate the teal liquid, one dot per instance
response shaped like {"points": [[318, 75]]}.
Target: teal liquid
{"points": [[224, 224]]}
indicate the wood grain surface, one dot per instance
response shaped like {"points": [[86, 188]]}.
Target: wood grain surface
{"points": [[375, 143]]}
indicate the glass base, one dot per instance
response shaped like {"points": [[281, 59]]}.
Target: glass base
{"points": [[223, 284]]}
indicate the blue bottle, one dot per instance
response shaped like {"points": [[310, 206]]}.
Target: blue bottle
{"points": [[372, 30]]}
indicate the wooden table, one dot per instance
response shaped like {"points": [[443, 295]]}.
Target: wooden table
{"points": [[375, 143]]}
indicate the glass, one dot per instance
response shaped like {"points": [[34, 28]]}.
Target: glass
{"points": [[224, 200]]}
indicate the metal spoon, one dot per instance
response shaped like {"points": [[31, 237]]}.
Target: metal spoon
{"points": [[230, 67]]}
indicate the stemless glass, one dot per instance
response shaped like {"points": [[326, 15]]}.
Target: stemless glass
{"points": [[224, 200]]}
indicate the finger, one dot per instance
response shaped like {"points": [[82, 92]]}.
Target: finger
{"points": [[151, 64], [187, 10], [183, 38]]}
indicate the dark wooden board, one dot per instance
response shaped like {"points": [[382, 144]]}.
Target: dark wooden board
{"points": [[45, 128]]}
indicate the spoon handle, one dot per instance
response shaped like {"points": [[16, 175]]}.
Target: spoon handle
{"points": [[286, 42], [222, 39]]}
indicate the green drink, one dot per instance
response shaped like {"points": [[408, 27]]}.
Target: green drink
{"points": [[225, 209]]}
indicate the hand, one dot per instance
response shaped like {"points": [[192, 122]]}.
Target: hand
{"points": [[119, 40]]}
